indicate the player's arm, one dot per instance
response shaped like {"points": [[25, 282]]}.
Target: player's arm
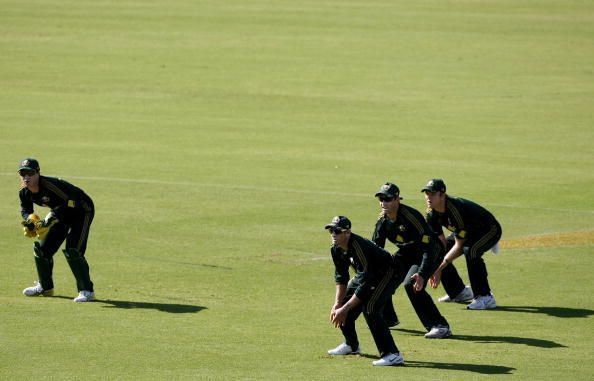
{"points": [[422, 236], [379, 237], [341, 277], [460, 236], [424, 272], [443, 240], [436, 227], [450, 256], [29, 218], [26, 205], [453, 253], [353, 302], [340, 293]]}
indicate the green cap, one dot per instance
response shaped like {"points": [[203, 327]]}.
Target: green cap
{"points": [[29, 164], [389, 190], [434, 185], [339, 222]]}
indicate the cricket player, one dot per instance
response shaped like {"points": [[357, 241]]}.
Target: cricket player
{"points": [[418, 251], [373, 284], [70, 217], [474, 231]]}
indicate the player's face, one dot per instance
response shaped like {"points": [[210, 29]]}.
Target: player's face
{"points": [[29, 178], [339, 237], [388, 204], [435, 200]]}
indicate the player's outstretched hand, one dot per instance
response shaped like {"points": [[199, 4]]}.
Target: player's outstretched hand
{"points": [[29, 226], [419, 282], [29, 233], [435, 279]]}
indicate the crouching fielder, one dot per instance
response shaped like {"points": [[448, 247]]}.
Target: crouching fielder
{"points": [[70, 217], [368, 291], [474, 231]]}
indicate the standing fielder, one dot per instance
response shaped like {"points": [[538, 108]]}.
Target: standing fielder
{"points": [[474, 231], [70, 217]]}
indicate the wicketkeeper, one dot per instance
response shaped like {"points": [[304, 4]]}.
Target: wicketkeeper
{"points": [[70, 217]]}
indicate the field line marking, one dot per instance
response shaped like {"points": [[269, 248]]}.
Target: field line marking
{"points": [[285, 190]]}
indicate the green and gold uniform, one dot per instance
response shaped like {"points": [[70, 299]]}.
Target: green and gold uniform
{"points": [[74, 211], [418, 252], [374, 283], [480, 230]]}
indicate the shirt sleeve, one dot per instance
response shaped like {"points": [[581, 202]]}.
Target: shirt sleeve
{"points": [[422, 237], [374, 266], [428, 259], [341, 267], [26, 204], [433, 223], [457, 220], [379, 236]]}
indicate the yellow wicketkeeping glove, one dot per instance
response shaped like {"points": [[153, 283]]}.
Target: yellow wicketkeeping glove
{"points": [[43, 226], [29, 226]]}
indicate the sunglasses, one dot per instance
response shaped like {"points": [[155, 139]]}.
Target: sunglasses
{"points": [[27, 172], [335, 231], [386, 199]]}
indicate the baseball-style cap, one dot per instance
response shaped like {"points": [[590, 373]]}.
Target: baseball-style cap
{"points": [[389, 190], [339, 222], [434, 185], [29, 164]]}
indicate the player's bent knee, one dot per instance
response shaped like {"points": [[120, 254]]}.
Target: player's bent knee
{"points": [[72, 254], [38, 251]]}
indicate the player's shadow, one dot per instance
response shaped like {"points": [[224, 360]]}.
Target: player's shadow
{"points": [[164, 307], [497, 339], [561, 312], [475, 368]]}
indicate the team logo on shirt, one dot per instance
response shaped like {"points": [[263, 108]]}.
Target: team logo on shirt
{"points": [[402, 228]]}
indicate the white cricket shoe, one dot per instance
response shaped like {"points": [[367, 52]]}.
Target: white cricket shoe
{"points": [[37, 290], [483, 303], [464, 296], [439, 332], [84, 296], [389, 360], [344, 349]]}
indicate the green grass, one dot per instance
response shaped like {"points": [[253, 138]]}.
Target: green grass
{"points": [[218, 137]]}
